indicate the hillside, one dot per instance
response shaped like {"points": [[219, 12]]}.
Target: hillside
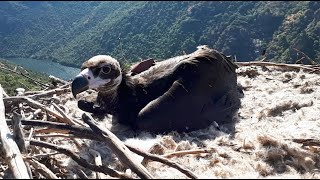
{"points": [[70, 32], [20, 78]]}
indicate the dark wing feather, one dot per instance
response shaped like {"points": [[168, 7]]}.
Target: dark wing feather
{"points": [[204, 91]]}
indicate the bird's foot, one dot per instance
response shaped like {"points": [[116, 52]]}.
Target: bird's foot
{"points": [[89, 107]]}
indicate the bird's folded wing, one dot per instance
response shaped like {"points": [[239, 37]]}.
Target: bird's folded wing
{"points": [[166, 113]]}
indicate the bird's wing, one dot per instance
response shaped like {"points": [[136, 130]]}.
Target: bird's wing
{"points": [[204, 91], [142, 66], [166, 112]]}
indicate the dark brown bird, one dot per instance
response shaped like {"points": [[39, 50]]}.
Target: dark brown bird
{"points": [[183, 93]]}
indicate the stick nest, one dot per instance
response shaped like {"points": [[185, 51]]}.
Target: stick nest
{"points": [[276, 134]]}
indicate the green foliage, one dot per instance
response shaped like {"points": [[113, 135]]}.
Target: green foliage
{"points": [[71, 32], [11, 81]]}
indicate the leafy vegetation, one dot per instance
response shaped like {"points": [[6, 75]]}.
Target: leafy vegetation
{"points": [[71, 32], [11, 81]]}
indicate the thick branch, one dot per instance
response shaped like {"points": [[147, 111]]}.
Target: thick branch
{"points": [[9, 148], [19, 136], [49, 93], [82, 132], [117, 146], [289, 66], [56, 90], [17, 132]]}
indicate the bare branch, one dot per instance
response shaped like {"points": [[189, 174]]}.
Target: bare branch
{"points": [[65, 116], [164, 161], [36, 104], [117, 146], [87, 133], [299, 60], [82, 162], [310, 60], [314, 69], [307, 142], [17, 132], [19, 136], [9, 148], [43, 169], [56, 91], [53, 135], [56, 80], [81, 174], [182, 153]]}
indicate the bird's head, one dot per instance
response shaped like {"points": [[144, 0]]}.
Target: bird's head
{"points": [[101, 72]]}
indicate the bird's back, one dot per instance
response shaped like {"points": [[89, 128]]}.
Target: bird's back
{"points": [[189, 92]]}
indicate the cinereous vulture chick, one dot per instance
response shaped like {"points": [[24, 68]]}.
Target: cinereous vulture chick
{"points": [[184, 93]]}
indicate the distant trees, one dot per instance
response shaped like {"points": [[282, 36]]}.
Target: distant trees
{"points": [[72, 32], [11, 81]]}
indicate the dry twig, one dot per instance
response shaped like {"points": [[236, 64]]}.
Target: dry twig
{"points": [[307, 142], [97, 161], [66, 117], [182, 153], [49, 93], [36, 104], [87, 133], [81, 174], [59, 90], [310, 60], [164, 161], [46, 172], [82, 162]]}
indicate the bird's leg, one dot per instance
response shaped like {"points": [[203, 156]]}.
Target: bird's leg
{"points": [[90, 107]]}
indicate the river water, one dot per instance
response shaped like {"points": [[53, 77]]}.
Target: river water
{"points": [[47, 67]]}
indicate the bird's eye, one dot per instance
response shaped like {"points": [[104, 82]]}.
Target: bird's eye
{"points": [[106, 69]]}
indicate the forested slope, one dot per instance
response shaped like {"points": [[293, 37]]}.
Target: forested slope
{"points": [[70, 32]]}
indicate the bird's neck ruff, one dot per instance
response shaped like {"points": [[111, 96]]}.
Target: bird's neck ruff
{"points": [[126, 86], [124, 90]]}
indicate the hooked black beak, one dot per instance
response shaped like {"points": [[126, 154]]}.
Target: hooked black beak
{"points": [[79, 84]]}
